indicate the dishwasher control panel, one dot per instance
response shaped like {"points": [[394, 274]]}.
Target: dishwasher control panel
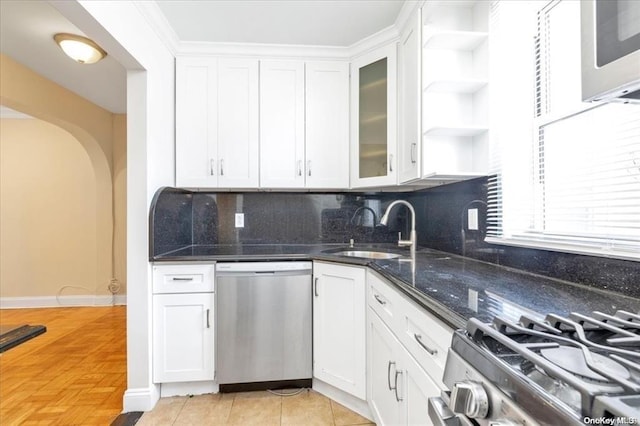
{"points": [[262, 266]]}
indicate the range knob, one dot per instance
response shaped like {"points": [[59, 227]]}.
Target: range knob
{"points": [[469, 398]]}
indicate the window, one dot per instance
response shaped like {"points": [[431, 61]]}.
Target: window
{"points": [[566, 174]]}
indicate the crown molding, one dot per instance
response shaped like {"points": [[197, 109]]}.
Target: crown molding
{"points": [[383, 37], [159, 24], [407, 9], [262, 50]]}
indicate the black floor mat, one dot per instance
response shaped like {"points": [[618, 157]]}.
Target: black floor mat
{"points": [[14, 335], [127, 419]]}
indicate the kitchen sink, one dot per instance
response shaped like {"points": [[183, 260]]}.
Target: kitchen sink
{"points": [[368, 254]]}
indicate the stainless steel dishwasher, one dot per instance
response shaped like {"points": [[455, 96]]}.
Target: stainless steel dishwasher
{"points": [[263, 325]]}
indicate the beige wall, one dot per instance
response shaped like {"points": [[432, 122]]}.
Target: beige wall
{"points": [[47, 211], [101, 135]]}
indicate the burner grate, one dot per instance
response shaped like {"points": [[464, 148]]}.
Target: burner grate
{"points": [[591, 356]]}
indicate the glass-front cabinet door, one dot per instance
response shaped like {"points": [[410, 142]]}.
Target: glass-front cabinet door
{"points": [[373, 141]]}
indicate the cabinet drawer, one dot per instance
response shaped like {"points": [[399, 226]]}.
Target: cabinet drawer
{"points": [[191, 278], [382, 299], [426, 338]]}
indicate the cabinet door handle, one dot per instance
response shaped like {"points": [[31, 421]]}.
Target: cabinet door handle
{"points": [[182, 279], [299, 167], [315, 287], [389, 364], [414, 146], [418, 338], [380, 301], [395, 388], [390, 162], [309, 167], [221, 167], [212, 167], [208, 325]]}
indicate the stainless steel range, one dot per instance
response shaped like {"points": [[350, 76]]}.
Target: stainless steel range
{"points": [[552, 371]]}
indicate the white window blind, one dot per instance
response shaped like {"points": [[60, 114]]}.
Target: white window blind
{"points": [[566, 173]]}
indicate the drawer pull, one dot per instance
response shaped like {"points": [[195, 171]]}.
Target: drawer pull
{"points": [[389, 374], [380, 301], [182, 279], [426, 348]]}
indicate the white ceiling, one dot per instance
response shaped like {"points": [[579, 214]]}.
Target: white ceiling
{"points": [[299, 22], [27, 29], [26, 35]]}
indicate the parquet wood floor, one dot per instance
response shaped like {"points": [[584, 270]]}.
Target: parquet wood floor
{"points": [[74, 374]]}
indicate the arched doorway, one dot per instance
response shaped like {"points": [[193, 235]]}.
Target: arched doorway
{"points": [[98, 133]]}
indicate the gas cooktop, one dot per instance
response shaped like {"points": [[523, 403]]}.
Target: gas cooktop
{"points": [[560, 370]]}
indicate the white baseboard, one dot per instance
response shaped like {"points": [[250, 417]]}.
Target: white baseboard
{"points": [[60, 301], [140, 399], [351, 402], [188, 388]]}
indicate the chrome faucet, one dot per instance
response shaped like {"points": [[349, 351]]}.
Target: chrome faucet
{"points": [[411, 242], [361, 209]]}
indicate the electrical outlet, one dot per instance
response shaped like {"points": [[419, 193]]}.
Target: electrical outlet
{"points": [[472, 219], [239, 220]]}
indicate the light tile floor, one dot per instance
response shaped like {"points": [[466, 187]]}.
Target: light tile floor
{"points": [[307, 408]]}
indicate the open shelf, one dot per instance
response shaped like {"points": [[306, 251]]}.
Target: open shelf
{"points": [[455, 91], [462, 85], [453, 39], [466, 131]]}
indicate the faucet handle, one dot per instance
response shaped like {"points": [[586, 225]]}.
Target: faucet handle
{"points": [[405, 243]]}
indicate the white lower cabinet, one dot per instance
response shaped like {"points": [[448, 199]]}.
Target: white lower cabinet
{"points": [[405, 352], [183, 337], [384, 367], [339, 327], [399, 389], [183, 328], [418, 387]]}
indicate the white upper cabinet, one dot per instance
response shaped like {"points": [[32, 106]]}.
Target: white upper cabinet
{"points": [[455, 94], [196, 122], [282, 156], [373, 123], [238, 123], [409, 144], [216, 123], [327, 125], [304, 124]]}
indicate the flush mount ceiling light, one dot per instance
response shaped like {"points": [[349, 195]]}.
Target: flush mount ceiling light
{"points": [[80, 49]]}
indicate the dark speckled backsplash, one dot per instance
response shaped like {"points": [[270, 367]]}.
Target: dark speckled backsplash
{"points": [[180, 218], [441, 229]]}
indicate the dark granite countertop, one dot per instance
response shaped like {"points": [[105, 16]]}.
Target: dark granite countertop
{"points": [[452, 287]]}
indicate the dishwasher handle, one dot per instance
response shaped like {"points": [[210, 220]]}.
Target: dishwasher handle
{"points": [[255, 274]]}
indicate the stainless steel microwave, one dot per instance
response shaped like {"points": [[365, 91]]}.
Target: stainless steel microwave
{"points": [[610, 50]]}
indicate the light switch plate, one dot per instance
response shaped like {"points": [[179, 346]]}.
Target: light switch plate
{"points": [[472, 219], [239, 220]]}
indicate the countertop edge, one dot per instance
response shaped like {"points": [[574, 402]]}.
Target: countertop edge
{"points": [[443, 313]]}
